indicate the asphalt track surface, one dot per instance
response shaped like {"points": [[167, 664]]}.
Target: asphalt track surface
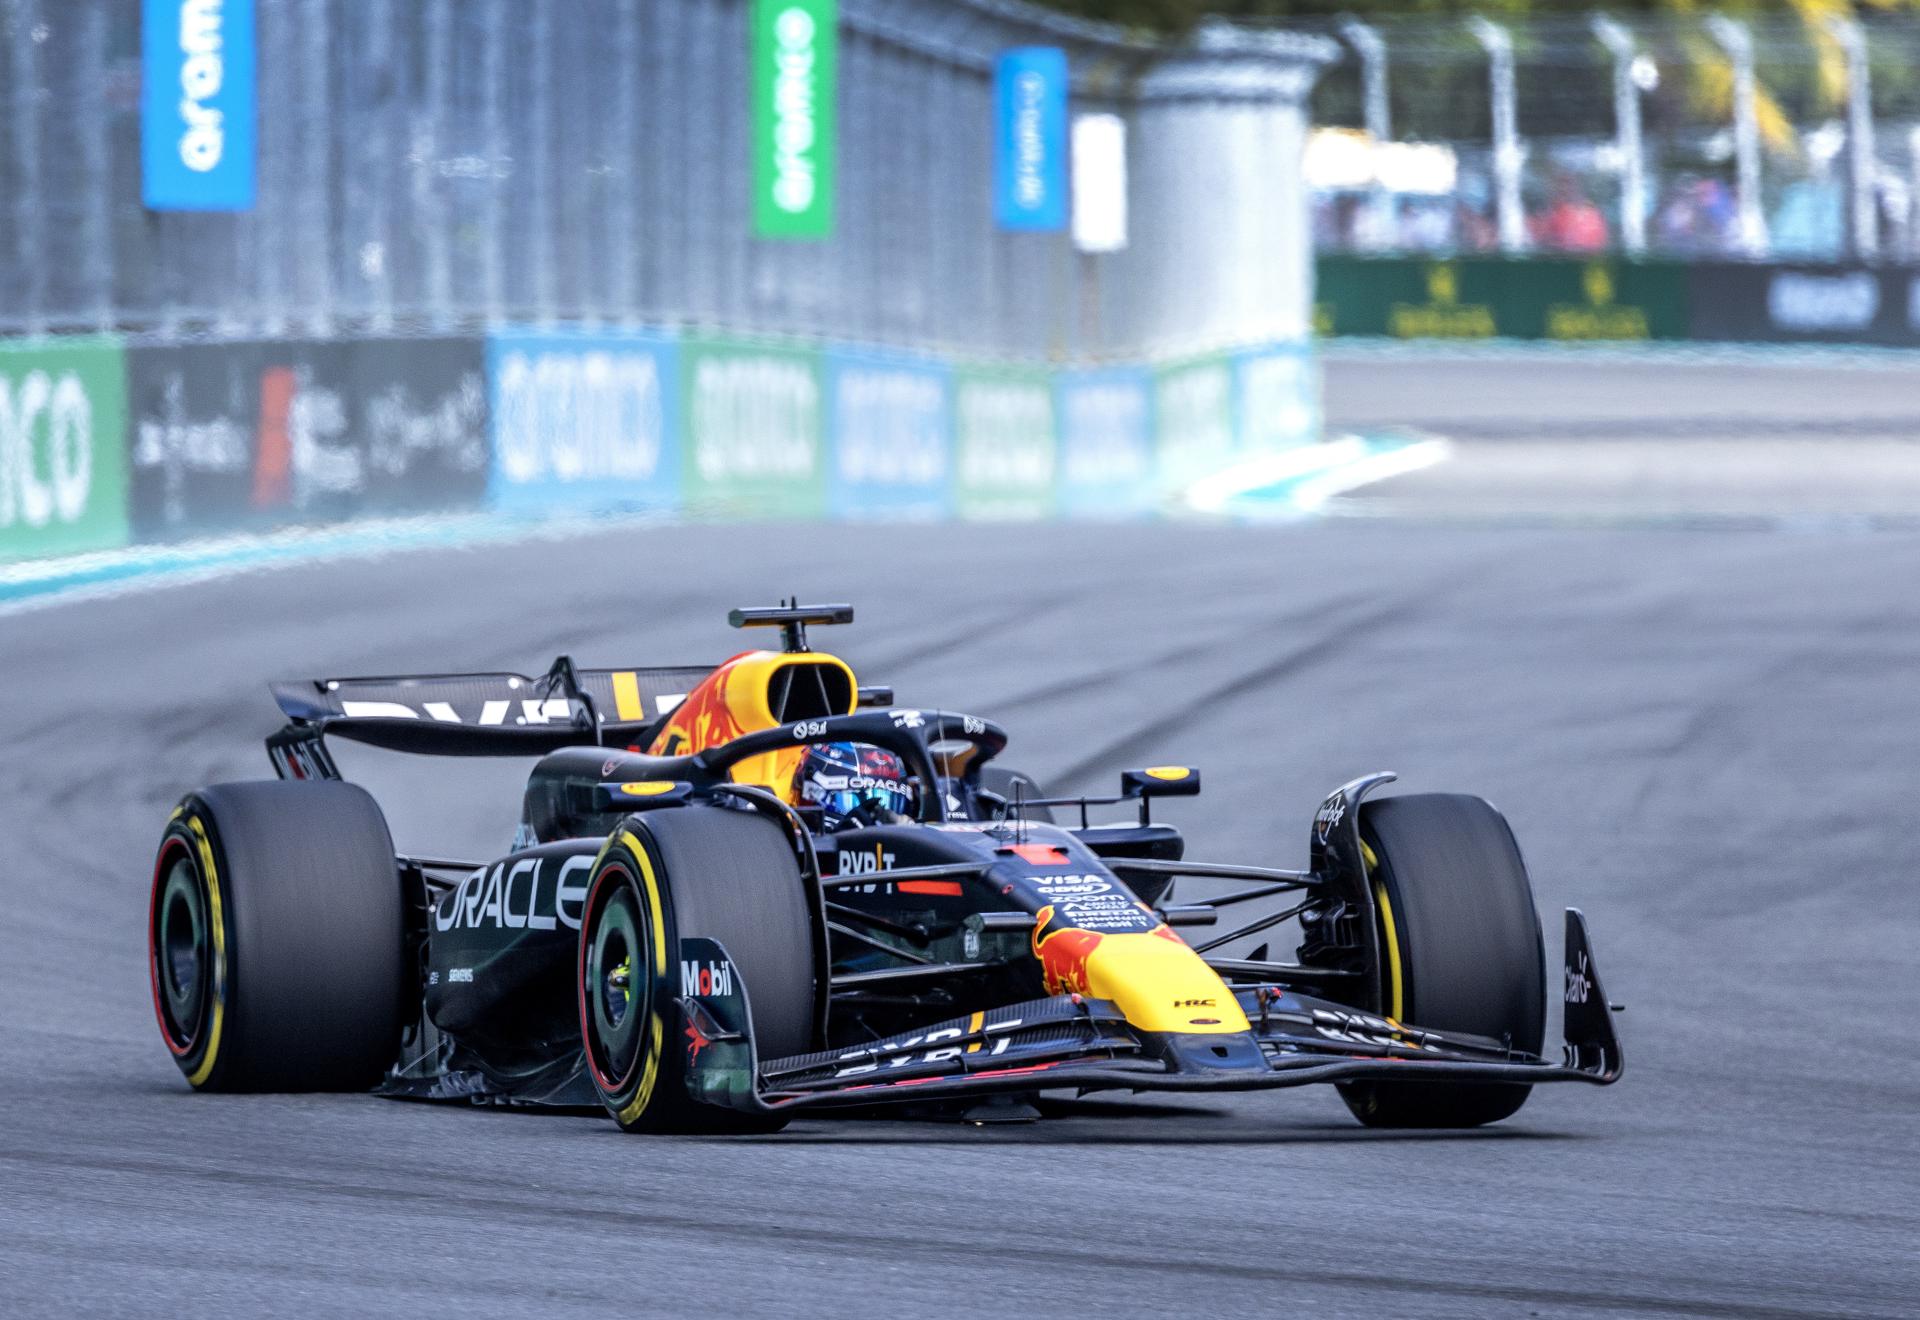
{"points": [[1703, 736]]}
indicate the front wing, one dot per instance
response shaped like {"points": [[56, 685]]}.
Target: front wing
{"points": [[1073, 1042]]}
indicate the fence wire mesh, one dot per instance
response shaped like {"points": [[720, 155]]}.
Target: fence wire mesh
{"points": [[1835, 142], [442, 164]]}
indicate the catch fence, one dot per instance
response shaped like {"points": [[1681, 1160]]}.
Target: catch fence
{"points": [[1701, 136], [443, 165]]}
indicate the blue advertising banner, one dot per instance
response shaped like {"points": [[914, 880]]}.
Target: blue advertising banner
{"points": [[197, 108], [1106, 443], [890, 427], [1030, 139], [1277, 397], [583, 419]]}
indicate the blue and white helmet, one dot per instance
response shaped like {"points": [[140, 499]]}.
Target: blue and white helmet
{"points": [[853, 784]]}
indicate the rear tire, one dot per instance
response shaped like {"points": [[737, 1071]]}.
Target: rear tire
{"points": [[1456, 908], [276, 938], [725, 875]]}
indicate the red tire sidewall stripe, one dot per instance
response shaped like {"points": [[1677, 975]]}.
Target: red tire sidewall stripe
{"points": [[169, 846]]}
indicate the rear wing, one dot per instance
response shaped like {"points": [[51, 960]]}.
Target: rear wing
{"points": [[488, 714]]}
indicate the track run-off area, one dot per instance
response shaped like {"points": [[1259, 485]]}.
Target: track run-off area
{"points": [[1701, 718]]}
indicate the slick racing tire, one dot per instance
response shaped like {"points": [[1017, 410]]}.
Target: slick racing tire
{"points": [[705, 871], [275, 938], [1006, 782], [1461, 946]]}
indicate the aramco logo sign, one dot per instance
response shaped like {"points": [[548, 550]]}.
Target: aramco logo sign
{"points": [[1030, 140], [202, 71], [794, 61], [197, 109]]}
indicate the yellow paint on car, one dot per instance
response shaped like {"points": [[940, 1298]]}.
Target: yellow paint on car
{"points": [[199, 1076], [626, 696], [1161, 984], [657, 1028], [1395, 996]]}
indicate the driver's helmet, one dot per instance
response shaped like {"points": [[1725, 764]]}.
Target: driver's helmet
{"points": [[853, 784]]}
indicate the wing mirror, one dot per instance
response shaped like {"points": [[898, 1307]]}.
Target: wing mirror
{"points": [[1160, 781]]}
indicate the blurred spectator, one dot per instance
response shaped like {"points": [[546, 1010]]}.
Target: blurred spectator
{"points": [[1426, 225], [1697, 218], [1473, 223], [1571, 222]]}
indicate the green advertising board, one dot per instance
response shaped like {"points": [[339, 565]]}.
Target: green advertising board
{"points": [[795, 56], [63, 447], [1193, 419], [1005, 443], [1513, 298], [755, 429]]}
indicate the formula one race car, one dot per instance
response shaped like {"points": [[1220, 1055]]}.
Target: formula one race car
{"points": [[744, 892]]}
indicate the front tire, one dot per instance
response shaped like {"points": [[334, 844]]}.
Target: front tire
{"points": [[725, 875], [276, 938], [1461, 945]]}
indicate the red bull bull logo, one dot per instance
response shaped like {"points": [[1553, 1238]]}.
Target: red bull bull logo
{"points": [[704, 719], [1063, 955]]}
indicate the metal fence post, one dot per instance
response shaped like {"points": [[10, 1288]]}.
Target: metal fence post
{"points": [[1734, 38], [540, 201], [376, 254], [319, 141], [1913, 192], [429, 180], [1508, 154], [1626, 126], [1862, 165], [1376, 112], [98, 171], [29, 201], [622, 163], [499, 162]]}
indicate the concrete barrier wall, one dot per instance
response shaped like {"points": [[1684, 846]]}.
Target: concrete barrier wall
{"points": [[103, 444]]}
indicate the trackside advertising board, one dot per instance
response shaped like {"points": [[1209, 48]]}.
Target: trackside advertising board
{"points": [[1276, 398], [890, 420], [1193, 409], [1030, 139], [256, 434], [101, 444], [63, 473], [1004, 443], [584, 419], [795, 55], [1491, 297], [1571, 299], [755, 429], [1106, 443], [197, 105]]}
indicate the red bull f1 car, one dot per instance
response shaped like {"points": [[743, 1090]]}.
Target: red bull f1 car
{"points": [[680, 935]]}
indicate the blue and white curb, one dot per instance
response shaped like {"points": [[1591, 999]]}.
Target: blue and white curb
{"points": [[1298, 483]]}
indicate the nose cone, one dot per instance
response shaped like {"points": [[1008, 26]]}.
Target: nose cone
{"points": [[1161, 984]]}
